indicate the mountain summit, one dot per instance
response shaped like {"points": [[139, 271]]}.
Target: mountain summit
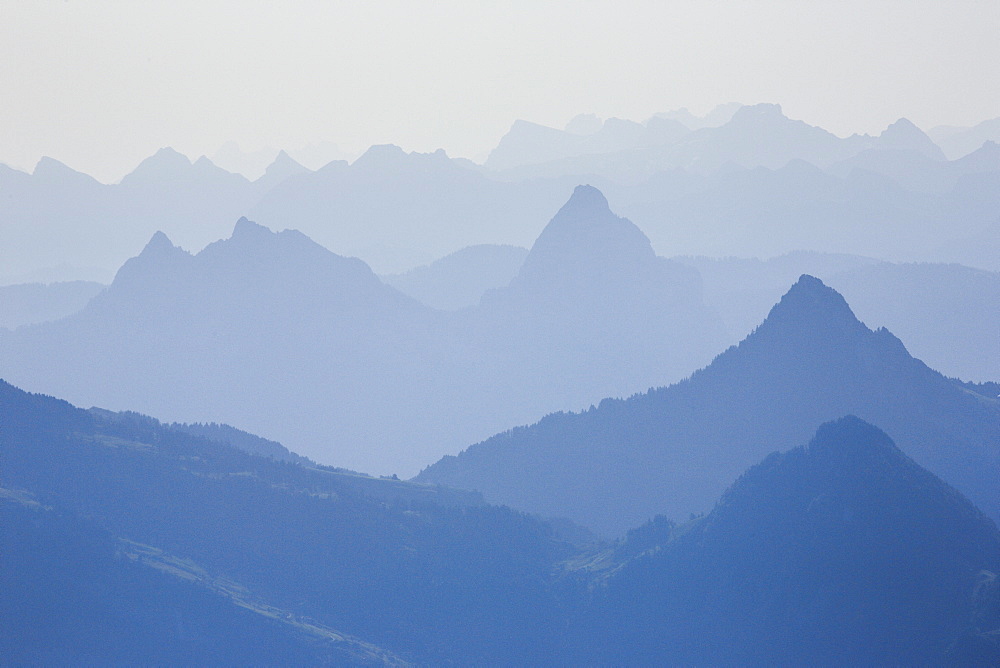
{"points": [[585, 237], [809, 307]]}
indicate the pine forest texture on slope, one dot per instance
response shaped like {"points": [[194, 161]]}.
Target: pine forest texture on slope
{"points": [[428, 580]]}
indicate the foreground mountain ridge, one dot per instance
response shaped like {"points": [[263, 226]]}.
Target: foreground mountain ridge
{"points": [[840, 552], [136, 542]]}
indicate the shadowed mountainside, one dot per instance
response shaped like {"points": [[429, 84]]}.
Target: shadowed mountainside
{"points": [[842, 552]]}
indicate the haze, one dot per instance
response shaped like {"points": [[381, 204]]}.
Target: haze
{"points": [[102, 85]]}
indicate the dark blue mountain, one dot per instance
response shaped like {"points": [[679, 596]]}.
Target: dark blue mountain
{"points": [[841, 552], [122, 536], [676, 448]]}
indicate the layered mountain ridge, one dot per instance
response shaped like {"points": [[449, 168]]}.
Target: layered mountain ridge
{"points": [[274, 334], [675, 448]]}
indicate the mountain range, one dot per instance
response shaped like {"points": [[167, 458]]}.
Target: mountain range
{"points": [[129, 540], [676, 448], [274, 334], [750, 182]]}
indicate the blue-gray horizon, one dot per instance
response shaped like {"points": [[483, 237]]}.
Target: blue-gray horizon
{"points": [[102, 85]]}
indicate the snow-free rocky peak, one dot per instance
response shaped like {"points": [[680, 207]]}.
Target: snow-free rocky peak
{"points": [[586, 235]]}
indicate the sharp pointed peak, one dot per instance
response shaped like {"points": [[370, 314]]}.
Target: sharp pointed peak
{"points": [[812, 308], [283, 166], [585, 233], [158, 243]]}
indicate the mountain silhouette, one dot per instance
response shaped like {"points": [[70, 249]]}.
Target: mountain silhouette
{"points": [[196, 552], [904, 135], [840, 552], [591, 288], [676, 448], [274, 334], [398, 210]]}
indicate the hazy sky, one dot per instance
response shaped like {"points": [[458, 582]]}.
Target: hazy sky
{"points": [[101, 85]]}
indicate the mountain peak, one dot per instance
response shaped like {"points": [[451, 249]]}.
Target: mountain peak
{"points": [[381, 155], [158, 243], [585, 244], [246, 229], [47, 165], [52, 169], [585, 238], [586, 198], [850, 441], [283, 163], [165, 163], [812, 308], [904, 135]]}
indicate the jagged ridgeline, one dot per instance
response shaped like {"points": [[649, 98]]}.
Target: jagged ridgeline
{"points": [[129, 541], [675, 449]]}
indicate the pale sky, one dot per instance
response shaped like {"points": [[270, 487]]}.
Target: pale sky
{"points": [[101, 85]]}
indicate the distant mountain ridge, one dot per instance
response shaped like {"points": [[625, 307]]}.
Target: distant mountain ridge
{"points": [[701, 192], [274, 334]]}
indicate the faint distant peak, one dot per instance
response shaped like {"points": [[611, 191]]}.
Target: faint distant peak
{"points": [[248, 229], [585, 235], [380, 155], [49, 165], [586, 198], [282, 167], [205, 164], [720, 115], [904, 135], [50, 168], [167, 156], [754, 112], [158, 243], [165, 163], [584, 124], [283, 163]]}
